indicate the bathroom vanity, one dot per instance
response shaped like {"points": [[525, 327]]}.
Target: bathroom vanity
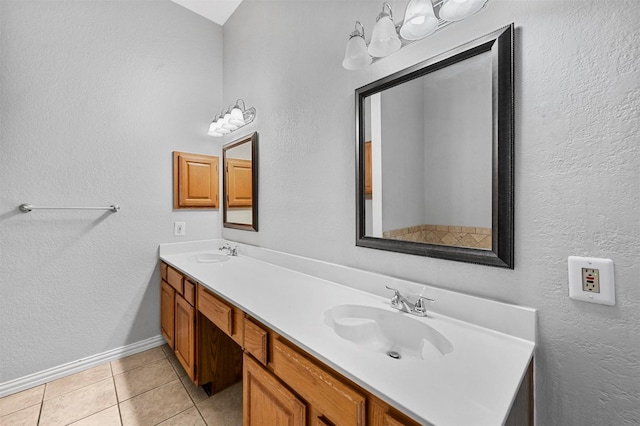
{"points": [[313, 351]]}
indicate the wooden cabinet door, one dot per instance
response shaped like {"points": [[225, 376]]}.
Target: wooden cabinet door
{"points": [[195, 180], [239, 183], [266, 401], [185, 335], [167, 307], [368, 173]]}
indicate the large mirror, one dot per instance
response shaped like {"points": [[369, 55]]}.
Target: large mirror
{"points": [[240, 183], [434, 147]]}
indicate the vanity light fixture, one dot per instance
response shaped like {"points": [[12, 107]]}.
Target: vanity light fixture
{"points": [[231, 119], [420, 21]]}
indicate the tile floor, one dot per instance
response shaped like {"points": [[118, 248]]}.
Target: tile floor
{"points": [[149, 388]]}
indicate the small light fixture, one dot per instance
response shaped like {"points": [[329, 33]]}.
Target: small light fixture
{"points": [[384, 38], [419, 20], [457, 10], [356, 55], [231, 119]]}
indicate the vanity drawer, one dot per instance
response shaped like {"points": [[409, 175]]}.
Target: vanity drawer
{"points": [[189, 292], [337, 401], [163, 270], [174, 278], [216, 310], [255, 340]]}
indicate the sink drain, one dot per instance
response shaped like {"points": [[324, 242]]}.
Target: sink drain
{"points": [[394, 354]]}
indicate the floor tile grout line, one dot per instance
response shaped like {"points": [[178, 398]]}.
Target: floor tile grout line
{"points": [[89, 415], [113, 377], [139, 366], [41, 404], [152, 389], [175, 415], [73, 390]]}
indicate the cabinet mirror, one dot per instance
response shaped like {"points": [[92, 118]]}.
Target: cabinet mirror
{"points": [[240, 183], [434, 146]]}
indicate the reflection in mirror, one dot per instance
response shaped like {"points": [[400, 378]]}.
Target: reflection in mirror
{"points": [[240, 183], [432, 155], [435, 156]]}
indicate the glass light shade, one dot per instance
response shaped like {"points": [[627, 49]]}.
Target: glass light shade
{"points": [[419, 20], [221, 129], [236, 117], [226, 124], [384, 39], [356, 56], [212, 128], [457, 10]]}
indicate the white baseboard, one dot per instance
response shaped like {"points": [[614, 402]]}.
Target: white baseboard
{"points": [[45, 376]]}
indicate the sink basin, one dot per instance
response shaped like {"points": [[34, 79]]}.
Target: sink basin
{"points": [[209, 258], [391, 332]]}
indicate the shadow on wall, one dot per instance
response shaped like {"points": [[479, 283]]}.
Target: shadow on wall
{"points": [[144, 307]]}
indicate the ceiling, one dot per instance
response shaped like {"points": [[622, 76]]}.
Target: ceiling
{"points": [[217, 11]]}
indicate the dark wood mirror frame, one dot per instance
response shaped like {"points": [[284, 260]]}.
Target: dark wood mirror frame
{"points": [[501, 45], [253, 140]]}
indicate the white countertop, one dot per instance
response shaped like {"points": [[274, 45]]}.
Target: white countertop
{"points": [[475, 384]]}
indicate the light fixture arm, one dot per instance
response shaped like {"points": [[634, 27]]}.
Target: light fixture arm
{"points": [[356, 32], [383, 14], [244, 107]]}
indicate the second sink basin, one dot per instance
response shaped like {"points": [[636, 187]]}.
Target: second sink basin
{"points": [[390, 332], [209, 258]]}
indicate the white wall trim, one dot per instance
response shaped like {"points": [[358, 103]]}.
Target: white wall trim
{"points": [[45, 376]]}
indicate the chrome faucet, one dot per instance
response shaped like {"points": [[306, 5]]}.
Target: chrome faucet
{"points": [[403, 304], [229, 251]]}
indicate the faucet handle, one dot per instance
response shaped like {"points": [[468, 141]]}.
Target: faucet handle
{"points": [[396, 296], [420, 308]]}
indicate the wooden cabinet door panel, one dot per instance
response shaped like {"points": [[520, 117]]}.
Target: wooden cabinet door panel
{"points": [[185, 335], [368, 172], [239, 183], [266, 401], [167, 306], [196, 180]]}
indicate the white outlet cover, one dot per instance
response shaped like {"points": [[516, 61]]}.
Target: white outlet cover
{"points": [[179, 229], [607, 295]]}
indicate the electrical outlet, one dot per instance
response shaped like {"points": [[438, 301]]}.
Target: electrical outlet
{"points": [[591, 280], [179, 229]]}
